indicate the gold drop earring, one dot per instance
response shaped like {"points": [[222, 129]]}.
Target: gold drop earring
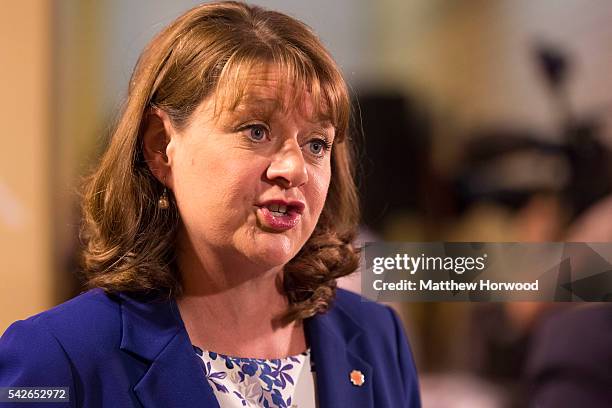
{"points": [[163, 203]]}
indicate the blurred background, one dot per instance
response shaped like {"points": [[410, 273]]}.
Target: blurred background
{"points": [[479, 120]]}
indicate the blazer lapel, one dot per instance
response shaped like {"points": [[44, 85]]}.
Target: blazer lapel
{"points": [[330, 338], [174, 377]]}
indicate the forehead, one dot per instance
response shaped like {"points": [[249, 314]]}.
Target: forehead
{"points": [[264, 89]]}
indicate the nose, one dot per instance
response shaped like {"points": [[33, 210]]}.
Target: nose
{"points": [[288, 167]]}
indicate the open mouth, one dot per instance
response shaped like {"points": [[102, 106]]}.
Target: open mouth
{"points": [[279, 215], [280, 208], [277, 210]]}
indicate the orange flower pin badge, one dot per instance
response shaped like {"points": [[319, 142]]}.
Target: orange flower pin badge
{"points": [[357, 378]]}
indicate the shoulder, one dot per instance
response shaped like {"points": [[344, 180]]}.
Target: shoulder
{"points": [[31, 356], [366, 313], [378, 325], [84, 324], [94, 301], [38, 351], [375, 327], [91, 315]]}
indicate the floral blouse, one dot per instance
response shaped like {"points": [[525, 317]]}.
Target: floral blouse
{"points": [[253, 382]]}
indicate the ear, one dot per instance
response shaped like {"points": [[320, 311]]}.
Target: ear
{"points": [[157, 131]]}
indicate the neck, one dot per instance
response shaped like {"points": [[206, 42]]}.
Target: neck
{"points": [[233, 307]]}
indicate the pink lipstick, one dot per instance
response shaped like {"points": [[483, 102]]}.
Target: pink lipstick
{"points": [[280, 215]]}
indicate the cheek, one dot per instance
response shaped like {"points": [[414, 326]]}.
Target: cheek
{"points": [[317, 190], [212, 185], [218, 190]]}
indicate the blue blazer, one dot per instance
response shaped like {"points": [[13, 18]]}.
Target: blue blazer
{"points": [[118, 351]]}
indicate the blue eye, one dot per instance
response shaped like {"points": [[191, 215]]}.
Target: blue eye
{"points": [[318, 147], [257, 133]]}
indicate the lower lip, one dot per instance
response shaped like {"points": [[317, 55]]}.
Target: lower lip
{"points": [[278, 222]]}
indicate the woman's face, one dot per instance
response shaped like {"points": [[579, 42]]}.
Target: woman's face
{"points": [[251, 182]]}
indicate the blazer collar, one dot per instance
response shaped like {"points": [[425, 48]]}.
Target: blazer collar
{"points": [[154, 331], [332, 337]]}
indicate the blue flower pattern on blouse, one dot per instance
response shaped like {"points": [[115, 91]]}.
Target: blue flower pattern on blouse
{"points": [[254, 382]]}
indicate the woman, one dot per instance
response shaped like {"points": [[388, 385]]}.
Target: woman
{"points": [[216, 226]]}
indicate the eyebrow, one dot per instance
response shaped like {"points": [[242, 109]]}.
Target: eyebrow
{"points": [[257, 104], [267, 106]]}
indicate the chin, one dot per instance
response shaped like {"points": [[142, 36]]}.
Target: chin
{"points": [[273, 251]]}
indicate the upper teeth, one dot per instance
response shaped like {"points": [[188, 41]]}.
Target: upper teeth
{"points": [[278, 208]]}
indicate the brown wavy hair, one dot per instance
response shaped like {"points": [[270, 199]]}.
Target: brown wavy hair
{"points": [[129, 241]]}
